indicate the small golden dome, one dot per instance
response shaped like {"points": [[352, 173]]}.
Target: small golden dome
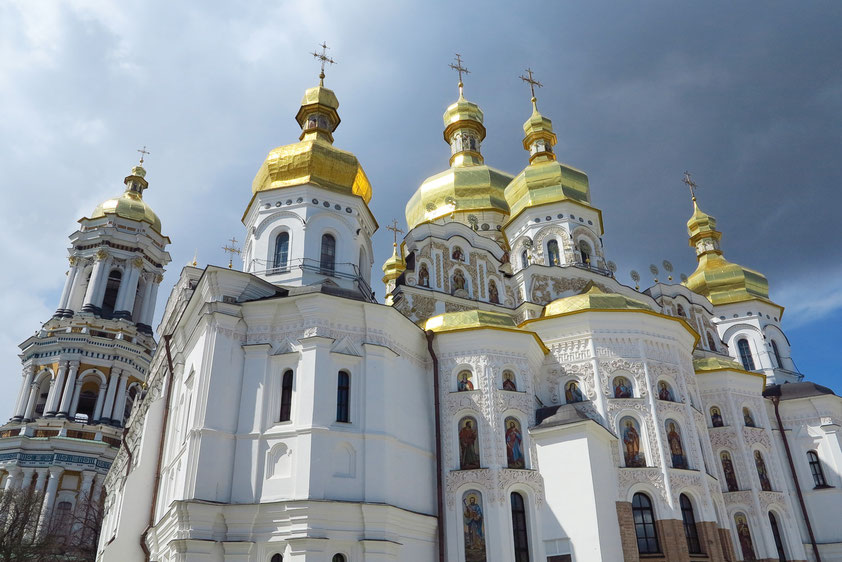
{"points": [[537, 126], [702, 364], [715, 278], [314, 159], [395, 265], [130, 205], [593, 298], [463, 112]]}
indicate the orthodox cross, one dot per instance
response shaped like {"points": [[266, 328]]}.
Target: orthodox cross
{"points": [[394, 228], [233, 250], [323, 58], [690, 184], [459, 68], [143, 152], [531, 81]]}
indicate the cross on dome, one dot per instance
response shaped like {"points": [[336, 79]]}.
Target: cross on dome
{"points": [[143, 153], [324, 59], [532, 82], [690, 184], [232, 250], [460, 69], [394, 228]]}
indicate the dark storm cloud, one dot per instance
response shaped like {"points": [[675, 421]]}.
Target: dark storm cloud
{"points": [[746, 95]]}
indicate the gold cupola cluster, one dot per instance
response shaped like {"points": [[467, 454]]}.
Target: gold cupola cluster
{"points": [[544, 180], [314, 159], [721, 281], [130, 205], [469, 190]]}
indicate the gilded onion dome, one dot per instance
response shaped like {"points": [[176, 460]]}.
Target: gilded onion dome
{"points": [[314, 159], [721, 281], [544, 180], [130, 205], [395, 265], [468, 187], [593, 298]]}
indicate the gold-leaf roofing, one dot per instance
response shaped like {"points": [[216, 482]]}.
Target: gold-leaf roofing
{"points": [[547, 182], [130, 205], [701, 364], [476, 320], [721, 281], [593, 298], [395, 265]]}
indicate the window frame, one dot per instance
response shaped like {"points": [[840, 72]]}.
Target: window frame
{"points": [[777, 354], [816, 470], [287, 383], [746, 357], [688, 520], [327, 254], [520, 526], [645, 525], [778, 538], [343, 397], [278, 265]]}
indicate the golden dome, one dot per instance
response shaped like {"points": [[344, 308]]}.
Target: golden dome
{"points": [[721, 281], [314, 159], [593, 298], [702, 364], [130, 205], [395, 265], [477, 320], [468, 186], [544, 180]]}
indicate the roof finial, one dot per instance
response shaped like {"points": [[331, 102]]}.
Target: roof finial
{"points": [[143, 152], [394, 228], [690, 184], [325, 59], [532, 83], [460, 69], [232, 250]]}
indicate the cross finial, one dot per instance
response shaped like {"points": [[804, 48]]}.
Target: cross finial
{"points": [[459, 68], [232, 250], [532, 82], [690, 184], [143, 152], [394, 228], [324, 59]]}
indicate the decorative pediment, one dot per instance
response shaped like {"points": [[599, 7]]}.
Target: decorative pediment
{"points": [[346, 347], [284, 346]]}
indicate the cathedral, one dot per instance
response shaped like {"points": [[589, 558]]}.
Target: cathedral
{"points": [[508, 400]]}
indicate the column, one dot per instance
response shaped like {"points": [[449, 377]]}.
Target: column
{"points": [[68, 285], [56, 388], [83, 499], [148, 282], [100, 401], [49, 496], [120, 400], [75, 287], [30, 405], [69, 389], [108, 406], [13, 479], [96, 492], [128, 289], [97, 274], [100, 291], [26, 478], [153, 299], [41, 479], [23, 396]]}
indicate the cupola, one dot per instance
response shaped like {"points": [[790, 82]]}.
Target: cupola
{"points": [[130, 205]]}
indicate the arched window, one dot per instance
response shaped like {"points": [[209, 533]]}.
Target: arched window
{"points": [[777, 353], [286, 396], [343, 397], [691, 533], [816, 469], [745, 354], [277, 558], [644, 524], [776, 533], [519, 532], [43, 394], [338, 558], [112, 286], [681, 311], [711, 342], [281, 252], [327, 261], [553, 256], [524, 259], [131, 395], [585, 252], [748, 419], [62, 518], [87, 403], [762, 473]]}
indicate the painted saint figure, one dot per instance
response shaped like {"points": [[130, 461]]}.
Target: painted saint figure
{"points": [[716, 417], [748, 419], [464, 381], [468, 445], [472, 524], [457, 254], [509, 381], [664, 392], [622, 388], [744, 535], [423, 276], [631, 443], [514, 444], [458, 281], [679, 459], [728, 470], [572, 394], [765, 483], [493, 295]]}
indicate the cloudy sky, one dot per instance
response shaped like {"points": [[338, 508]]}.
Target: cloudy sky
{"points": [[746, 95]]}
